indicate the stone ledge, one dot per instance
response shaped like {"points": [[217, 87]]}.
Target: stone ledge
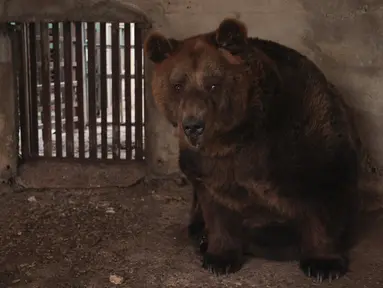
{"points": [[71, 10], [55, 173]]}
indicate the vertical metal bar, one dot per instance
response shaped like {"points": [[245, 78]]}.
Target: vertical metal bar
{"points": [[104, 92], [128, 95], [57, 80], [46, 93], [85, 75], [97, 64], [20, 57], [138, 90], [68, 78], [92, 91], [26, 55], [144, 32], [16, 37], [80, 89], [116, 90], [34, 134]]}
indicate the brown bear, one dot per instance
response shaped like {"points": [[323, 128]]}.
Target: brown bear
{"points": [[259, 127]]}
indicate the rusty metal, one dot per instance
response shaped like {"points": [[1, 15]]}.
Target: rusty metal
{"points": [[57, 88], [45, 91], [144, 33], [68, 78], [116, 86], [15, 34], [19, 56], [60, 52], [92, 90], [80, 89], [138, 91], [33, 90], [104, 92], [128, 93]]}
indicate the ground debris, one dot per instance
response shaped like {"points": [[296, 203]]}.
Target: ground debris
{"points": [[66, 240], [32, 199], [110, 210], [115, 279]]}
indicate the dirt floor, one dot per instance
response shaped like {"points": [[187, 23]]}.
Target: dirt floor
{"points": [[135, 237]]}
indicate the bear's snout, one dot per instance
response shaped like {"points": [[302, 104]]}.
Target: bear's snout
{"points": [[193, 128]]}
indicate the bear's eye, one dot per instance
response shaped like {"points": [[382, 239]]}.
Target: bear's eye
{"points": [[177, 87], [211, 87]]}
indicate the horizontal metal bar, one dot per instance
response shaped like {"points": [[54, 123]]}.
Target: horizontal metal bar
{"points": [[85, 160]]}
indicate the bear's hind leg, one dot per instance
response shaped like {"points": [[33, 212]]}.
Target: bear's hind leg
{"points": [[321, 253]]}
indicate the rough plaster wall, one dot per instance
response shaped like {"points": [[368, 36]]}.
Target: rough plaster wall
{"points": [[344, 37], [8, 154], [348, 46]]}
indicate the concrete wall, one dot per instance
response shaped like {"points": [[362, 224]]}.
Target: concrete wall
{"points": [[344, 37]]}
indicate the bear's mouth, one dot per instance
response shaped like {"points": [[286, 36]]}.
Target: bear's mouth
{"points": [[195, 142]]}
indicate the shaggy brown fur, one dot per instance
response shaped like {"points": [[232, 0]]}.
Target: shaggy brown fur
{"points": [[259, 127]]}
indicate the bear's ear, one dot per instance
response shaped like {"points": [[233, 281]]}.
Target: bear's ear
{"points": [[157, 47], [231, 33]]}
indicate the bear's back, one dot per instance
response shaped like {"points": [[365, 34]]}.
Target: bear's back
{"points": [[289, 62]]}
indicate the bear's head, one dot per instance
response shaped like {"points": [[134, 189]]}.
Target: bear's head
{"points": [[201, 84]]}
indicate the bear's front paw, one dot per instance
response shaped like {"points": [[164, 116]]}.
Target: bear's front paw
{"points": [[196, 229], [203, 243], [224, 263], [197, 233], [324, 268]]}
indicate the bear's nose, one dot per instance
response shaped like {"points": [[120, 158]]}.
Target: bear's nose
{"points": [[193, 126]]}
